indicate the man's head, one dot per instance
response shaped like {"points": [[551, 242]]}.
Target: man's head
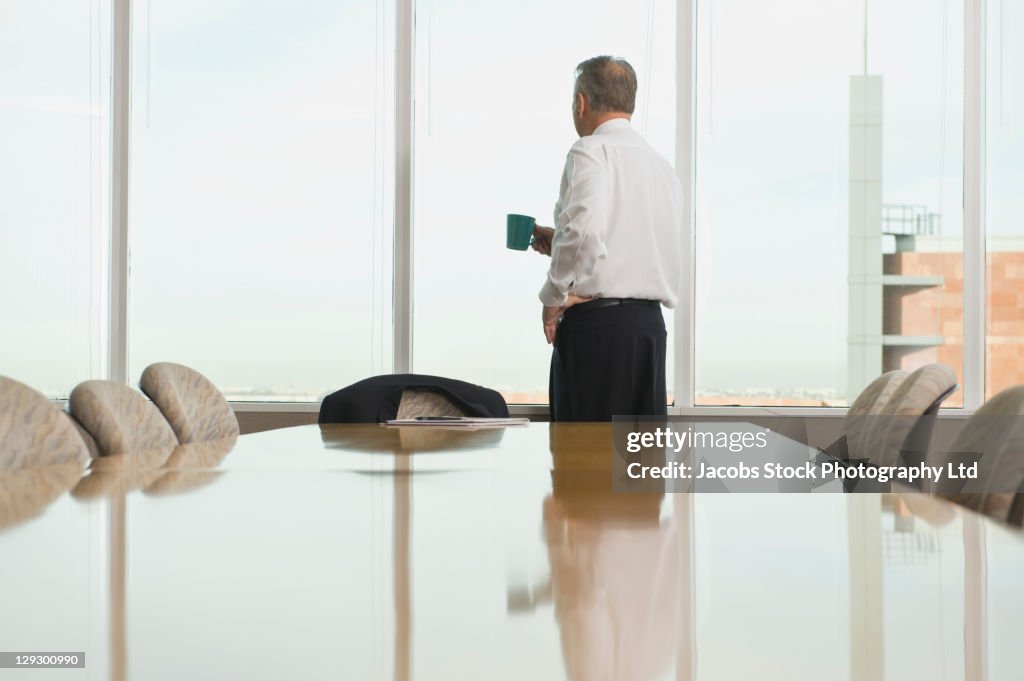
{"points": [[605, 89]]}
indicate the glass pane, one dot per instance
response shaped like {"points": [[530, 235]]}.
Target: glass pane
{"points": [[54, 207], [494, 89], [829, 196], [1004, 356], [261, 223]]}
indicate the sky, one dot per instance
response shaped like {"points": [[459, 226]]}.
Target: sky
{"points": [[262, 178]]}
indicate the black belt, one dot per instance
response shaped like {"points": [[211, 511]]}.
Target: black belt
{"points": [[598, 303]]}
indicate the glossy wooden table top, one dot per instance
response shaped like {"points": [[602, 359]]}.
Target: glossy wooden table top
{"points": [[365, 552]]}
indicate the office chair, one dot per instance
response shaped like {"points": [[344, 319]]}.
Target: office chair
{"points": [[899, 435], [34, 432], [861, 414], [41, 453], [994, 438], [120, 419], [191, 403]]}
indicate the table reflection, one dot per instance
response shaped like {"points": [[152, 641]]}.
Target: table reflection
{"points": [[408, 439], [25, 493], [498, 555], [166, 470], [615, 568]]}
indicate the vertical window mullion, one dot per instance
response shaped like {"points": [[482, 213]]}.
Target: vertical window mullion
{"points": [[403, 291], [684, 338], [974, 204], [120, 96]]}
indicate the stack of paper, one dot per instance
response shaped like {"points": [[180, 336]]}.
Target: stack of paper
{"points": [[474, 421]]}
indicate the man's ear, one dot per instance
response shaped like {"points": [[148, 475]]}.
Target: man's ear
{"points": [[581, 104]]}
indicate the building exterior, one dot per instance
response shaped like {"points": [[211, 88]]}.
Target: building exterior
{"points": [[931, 313]]}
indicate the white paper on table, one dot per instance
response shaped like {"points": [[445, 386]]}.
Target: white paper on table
{"points": [[462, 421]]}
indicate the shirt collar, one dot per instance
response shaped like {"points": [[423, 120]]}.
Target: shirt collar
{"points": [[610, 125]]}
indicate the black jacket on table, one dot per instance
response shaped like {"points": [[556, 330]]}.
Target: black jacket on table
{"points": [[375, 400]]}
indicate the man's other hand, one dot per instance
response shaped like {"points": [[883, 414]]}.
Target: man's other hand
{"points": [[542, 239], [551, 315]]}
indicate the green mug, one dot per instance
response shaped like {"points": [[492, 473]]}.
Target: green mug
{"points": [[519, 234]]}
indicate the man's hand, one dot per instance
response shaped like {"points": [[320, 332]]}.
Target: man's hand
{"points": [[542, 239], [551, 315]]}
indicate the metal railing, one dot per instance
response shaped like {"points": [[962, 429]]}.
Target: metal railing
{"points": [[910, 220]]}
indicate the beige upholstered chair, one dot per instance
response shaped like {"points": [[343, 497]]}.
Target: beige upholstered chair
{"points": [[898, 428], [41, 454], [90, 443], [425, 403], [994, 437], [34, 432], [196, 410], [865, 409], [119, 419], [873, 398]]}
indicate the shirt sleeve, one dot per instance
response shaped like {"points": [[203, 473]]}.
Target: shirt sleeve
{"points": [[580, 222]]}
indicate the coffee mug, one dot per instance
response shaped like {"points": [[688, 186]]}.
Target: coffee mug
{"points": [[519, 231]]}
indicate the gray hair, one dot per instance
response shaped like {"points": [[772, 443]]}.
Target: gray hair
{"points": [[609, 84]]}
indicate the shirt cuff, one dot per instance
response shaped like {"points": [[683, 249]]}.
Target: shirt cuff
{"points": [[551, 296]]}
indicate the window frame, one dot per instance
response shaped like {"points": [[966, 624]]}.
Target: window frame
{"points": [[118, 326]]}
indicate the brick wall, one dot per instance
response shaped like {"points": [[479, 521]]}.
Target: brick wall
{"points": [[938, 311]]}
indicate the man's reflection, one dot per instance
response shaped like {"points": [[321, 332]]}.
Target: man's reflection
{"points": [[615, 565]]}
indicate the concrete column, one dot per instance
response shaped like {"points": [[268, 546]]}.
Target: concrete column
{"points": [[864, 356]]}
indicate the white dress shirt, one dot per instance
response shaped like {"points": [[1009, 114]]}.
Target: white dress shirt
{"points": [[617, 221]]}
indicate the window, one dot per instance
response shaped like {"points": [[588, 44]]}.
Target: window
{"points": [[1004, 366], [54, 207], [494, 88], [262, 185], [829, 196]]}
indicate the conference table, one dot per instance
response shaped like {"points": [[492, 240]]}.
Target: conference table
{"points": [[430, 553]]}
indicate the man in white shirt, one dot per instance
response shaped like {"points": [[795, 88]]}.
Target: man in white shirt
{"points": [[615, 257]]}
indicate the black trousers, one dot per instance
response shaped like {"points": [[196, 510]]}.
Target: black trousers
{"points": [[608, 361]]}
